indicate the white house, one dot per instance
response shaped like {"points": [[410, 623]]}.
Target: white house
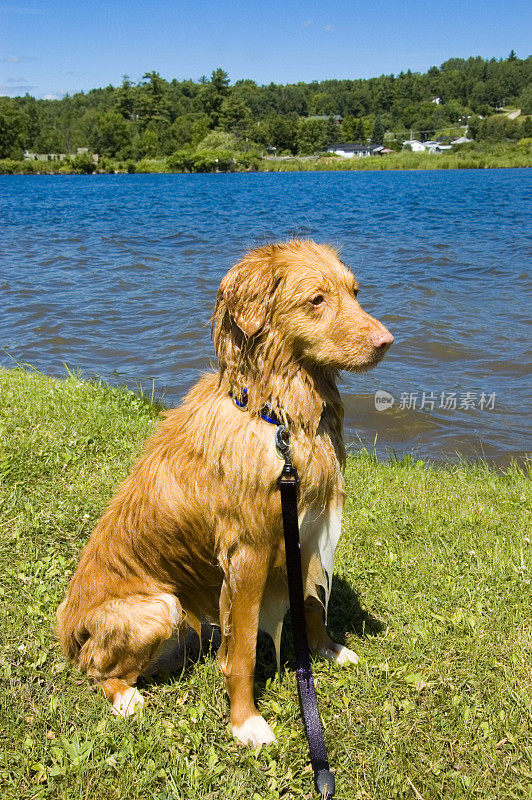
{"points": [[43, 156], [437, 147], [426, 147], [415, 145], [354, 150], [461, 140]]}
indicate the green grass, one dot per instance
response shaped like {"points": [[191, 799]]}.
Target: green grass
{"points": [[491, 156], [432, 590]]}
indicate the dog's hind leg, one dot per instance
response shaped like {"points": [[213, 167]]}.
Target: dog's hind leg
{"points": [[319, 640], [122, 637], [240, 601]]}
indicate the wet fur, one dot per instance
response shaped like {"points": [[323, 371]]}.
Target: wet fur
{"points": [[194, 534]]}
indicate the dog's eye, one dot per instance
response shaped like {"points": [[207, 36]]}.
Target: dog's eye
{"points": [[355, 292], [318, 300]]}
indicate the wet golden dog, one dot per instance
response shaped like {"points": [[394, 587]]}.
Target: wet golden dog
{"points": [[195, 533]]}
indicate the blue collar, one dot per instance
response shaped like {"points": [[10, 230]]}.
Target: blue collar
{"points": [[267, 413]]}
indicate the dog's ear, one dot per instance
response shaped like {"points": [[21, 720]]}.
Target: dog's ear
{"points": [[247, 290]]}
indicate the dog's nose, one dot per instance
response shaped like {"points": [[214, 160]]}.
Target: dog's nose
{"points": [[382, 339]]}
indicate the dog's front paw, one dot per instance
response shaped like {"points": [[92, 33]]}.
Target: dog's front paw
{"points": [[127, 702], [339, 654], [255, 731]]}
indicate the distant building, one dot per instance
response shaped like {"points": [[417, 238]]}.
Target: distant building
{"points": [[59, 156], [355, 150], [43, 156], [415, 145], [426, 147], [336, 117], [437, 101], [461, 140], [437, 147], [81, 151]]}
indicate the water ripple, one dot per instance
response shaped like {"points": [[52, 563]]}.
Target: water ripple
{"points": [[117, 275]]}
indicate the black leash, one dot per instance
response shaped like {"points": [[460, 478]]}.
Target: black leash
{"points": [[288, 482]]}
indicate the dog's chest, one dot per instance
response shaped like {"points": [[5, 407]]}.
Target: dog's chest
{"points": [[319, 534]]}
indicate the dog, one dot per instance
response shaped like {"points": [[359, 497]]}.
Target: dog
{"points": [[195, 532]]}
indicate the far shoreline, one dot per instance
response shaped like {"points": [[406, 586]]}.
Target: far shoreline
{"points": [[263, 171], [496, 156]]}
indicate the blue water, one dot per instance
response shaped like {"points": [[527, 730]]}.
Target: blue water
{"points": [[117, 275]]}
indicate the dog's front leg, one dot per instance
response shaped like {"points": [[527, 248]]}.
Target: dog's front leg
{"points": [[240, 601], [319, 640]]}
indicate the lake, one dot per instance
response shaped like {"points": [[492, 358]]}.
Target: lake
{"points": [[117, 275]]}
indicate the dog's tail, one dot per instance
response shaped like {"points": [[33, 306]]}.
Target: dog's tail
{"points": [[72, 634]]}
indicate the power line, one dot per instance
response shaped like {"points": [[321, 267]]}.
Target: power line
{"points": [[432, 130]]}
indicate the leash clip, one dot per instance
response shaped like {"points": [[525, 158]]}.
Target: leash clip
{"points": [[324, 783], [282, 443]]}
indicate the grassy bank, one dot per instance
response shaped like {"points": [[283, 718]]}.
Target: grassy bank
{"points": [[432, 590], [485, 157], [479, 156]]}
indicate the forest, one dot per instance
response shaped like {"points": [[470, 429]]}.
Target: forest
{"points": [[182, 119]]}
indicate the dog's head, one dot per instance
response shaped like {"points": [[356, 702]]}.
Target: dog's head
{"points": [[300, 299]]}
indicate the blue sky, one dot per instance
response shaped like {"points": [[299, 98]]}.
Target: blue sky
{"points": [[50, 48]]}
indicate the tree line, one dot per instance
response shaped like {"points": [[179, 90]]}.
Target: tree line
{"points": [[159, 118]]}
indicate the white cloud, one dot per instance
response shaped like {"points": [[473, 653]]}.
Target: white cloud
{"points": [[18, 90], [307, 24], [16, 85], [329, 28]]}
